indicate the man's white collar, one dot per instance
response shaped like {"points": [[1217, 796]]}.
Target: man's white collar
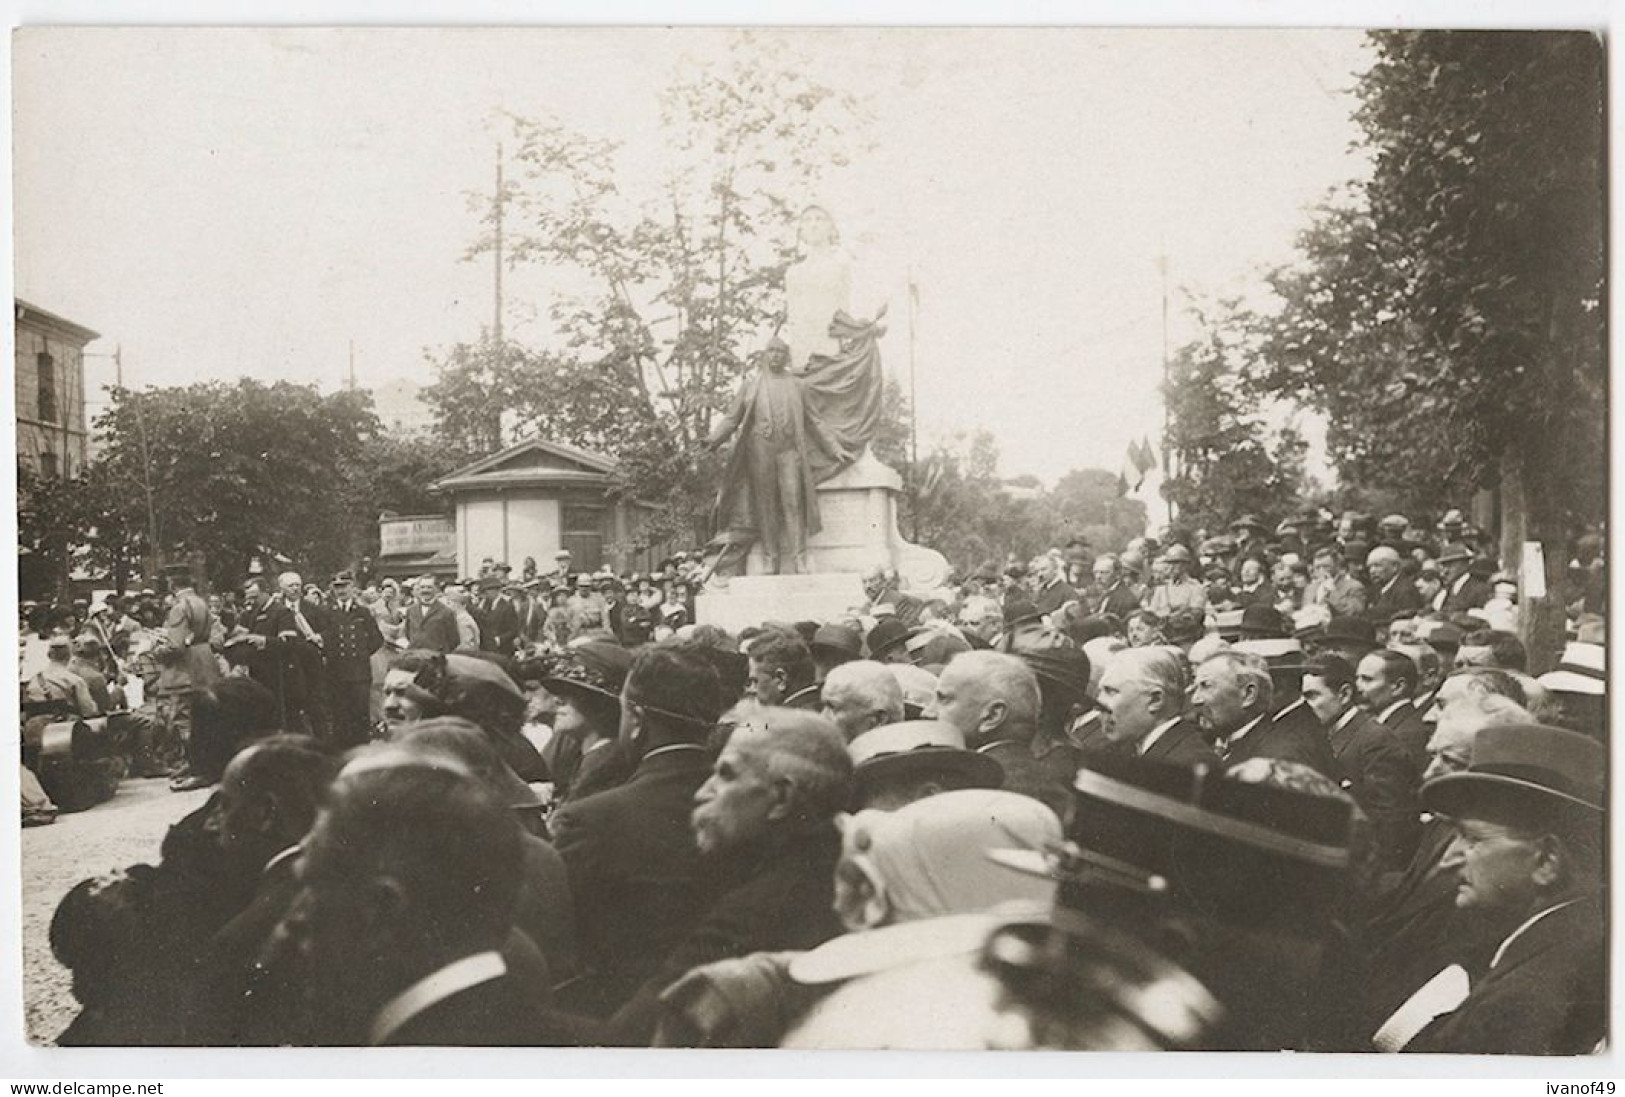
{"points": [[437, 986]]}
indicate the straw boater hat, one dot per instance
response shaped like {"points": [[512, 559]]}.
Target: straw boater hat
{"points": [[920, 746], [1583, 669]]}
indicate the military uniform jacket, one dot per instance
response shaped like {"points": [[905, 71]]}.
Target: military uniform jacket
{"points": [[349, 638], [1167, 598], [189, 662]]}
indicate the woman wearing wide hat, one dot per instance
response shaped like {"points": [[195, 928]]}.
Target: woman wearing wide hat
{"points": [[584, 756]]}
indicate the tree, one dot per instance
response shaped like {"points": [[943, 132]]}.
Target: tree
{"points": [[1091, 506], [392, 472], [1448, 313], [235, 469], [679, 278], [1224, 459], [65, 524]]}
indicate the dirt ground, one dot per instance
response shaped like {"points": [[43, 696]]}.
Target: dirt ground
{"points": [[122, 832]]}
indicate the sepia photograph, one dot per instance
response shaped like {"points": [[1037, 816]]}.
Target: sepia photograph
{"points": [[1086, 539]]}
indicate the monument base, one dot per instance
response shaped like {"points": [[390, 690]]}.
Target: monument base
{"points": [[751, 599], [858, 508]]}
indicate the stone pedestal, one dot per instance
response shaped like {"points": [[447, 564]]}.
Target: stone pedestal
{"points": [[858, 512], [751, 599]]}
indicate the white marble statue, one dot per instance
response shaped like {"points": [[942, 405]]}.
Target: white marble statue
{"points": [[815, 288]]}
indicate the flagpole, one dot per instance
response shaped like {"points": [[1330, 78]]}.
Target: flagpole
{"points": [[1167, 381], [913, 409]]}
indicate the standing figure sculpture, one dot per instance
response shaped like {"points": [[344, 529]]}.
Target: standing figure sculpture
{"points": [[767, 495], [809, 412]]}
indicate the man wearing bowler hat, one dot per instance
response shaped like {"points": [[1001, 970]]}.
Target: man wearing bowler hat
{"points": [[1529, 819], [832, 645]]}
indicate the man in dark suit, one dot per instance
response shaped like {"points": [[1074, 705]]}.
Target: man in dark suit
{"points": [[768, 812], [1391, 593], [145, 957], [1142, 691], [1529, 815], [1376, 770], [1051, 591], [1412, 928], [1232, 701], [411, 878], [1462, 589], [994, 700], [1113, 595], [1386, 680], [350, 636], [533, 618], [498, 619], [636, 874], [430, 623], [292, 626]]}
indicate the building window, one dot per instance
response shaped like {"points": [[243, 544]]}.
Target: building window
{"points": [[48, 466], [47, 386], [583, 535]]}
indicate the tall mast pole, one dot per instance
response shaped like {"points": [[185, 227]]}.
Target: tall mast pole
{"points": [[496, 323], [1167, 380], [913, 405]]}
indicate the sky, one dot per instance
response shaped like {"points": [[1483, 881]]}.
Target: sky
{"points": [[236, 202]]}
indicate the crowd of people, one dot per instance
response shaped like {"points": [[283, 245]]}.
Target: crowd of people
{"points": [[1260, 789]]}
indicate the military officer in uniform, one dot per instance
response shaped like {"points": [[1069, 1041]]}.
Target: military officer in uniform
{"points": [[186, 665], [350, 635], [1179, 591]]}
